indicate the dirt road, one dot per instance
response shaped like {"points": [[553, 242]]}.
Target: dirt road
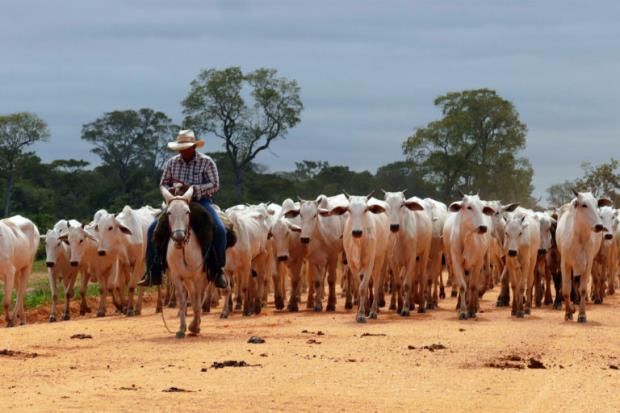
{"points": [[430, 362]]}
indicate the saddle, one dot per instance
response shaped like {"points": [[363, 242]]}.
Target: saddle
{"points": [[202, 225]]}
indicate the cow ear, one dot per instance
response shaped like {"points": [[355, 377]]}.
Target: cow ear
{"points": [[294, 228], [324, 212], [510, 207], [124, 229], [292, 213], [455, 206], [376, 209], [487, 210], [166, 194], [339, 210], [64, 237], [604, 202], [414, 206]]}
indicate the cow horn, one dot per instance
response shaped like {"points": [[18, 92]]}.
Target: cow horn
{"points": [[574, 191], [300, 199], [346, 194], [384, 191], [404, 190], [461, 193], [370, 195]]}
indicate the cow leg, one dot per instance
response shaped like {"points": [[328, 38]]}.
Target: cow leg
{"points": [[408, 278], [51, 273], [9, 280], [472, 305], [228, 302], [84, 308], [363, 296], [348, 304], [567, 283], [69, 284], [21, 294], [103, 291], [548, 297], [294, 268], [557, 284], [583, 291], [196, 290], [332, 276], [317, 278], [538, 285], [503, 299], [422, 265]]}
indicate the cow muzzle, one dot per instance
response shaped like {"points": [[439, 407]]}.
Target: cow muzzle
{"points": [[73, 263], [101, 253], [542, 251], [283, 258], [49, 264], [482, 229], [598, 228], [356, 233], [305, 240], [609, 236], [512, 253], [394, 227]]}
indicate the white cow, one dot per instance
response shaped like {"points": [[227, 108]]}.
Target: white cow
{"points": [[57, 261], [468, 247], [288, 250], [439, 212], [521, 244], [543, 275], [409, 248], [365, 240], [123, 237], [578, 238], [102, 269], [605, 261], [19, 240], [323, 236], [247, 262]]}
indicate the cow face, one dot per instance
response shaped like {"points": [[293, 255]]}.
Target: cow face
{"points": [[55, 245], [78, 238], [515, 229], [547, 227], [586, 209], [472, 212], [398, 206], [308, 213], [608, 215], [359, 209], [280, 233], [109, 233]]}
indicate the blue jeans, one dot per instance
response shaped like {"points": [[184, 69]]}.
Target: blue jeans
{"points": [[219, 237]]}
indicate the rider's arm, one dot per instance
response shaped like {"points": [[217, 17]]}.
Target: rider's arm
{"points": [[212, 182], [166, 177]]}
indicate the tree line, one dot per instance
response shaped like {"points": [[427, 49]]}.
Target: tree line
{"points": [[475, 146]]}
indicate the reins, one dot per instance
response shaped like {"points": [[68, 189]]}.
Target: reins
{"points": [[181, 245]]}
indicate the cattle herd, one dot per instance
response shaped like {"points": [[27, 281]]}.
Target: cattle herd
{"points": [[396, 248]]}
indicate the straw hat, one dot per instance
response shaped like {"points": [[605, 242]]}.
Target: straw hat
{"points": [[185, 139]]}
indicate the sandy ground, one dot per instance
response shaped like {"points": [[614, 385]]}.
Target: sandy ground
{"points": [[130, 362]]}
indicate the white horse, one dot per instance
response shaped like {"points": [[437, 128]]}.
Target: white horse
{"points": [[185, 260]]}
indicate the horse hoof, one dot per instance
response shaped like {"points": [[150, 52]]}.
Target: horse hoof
{"points": [[100, 314], [180, 334], [582, 318], [331, 307], [52, 318], [373, 315], [360, 318], [520, 314]]}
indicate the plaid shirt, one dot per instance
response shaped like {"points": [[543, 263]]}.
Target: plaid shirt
{"points": [[200, 172]]}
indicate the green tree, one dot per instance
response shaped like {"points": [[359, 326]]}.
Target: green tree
{"points": [[602, 180], [474, 146], [216, 103], [17, 131], [130, 142]]}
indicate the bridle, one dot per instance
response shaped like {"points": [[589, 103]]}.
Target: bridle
{"points": [[183, 243]]}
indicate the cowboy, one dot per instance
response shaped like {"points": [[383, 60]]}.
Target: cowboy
{"points": [[190, 169]]}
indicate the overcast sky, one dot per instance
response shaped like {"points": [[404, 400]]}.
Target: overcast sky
{"points": [[368, 70]]}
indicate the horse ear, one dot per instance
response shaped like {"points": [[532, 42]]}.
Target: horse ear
{"points": [[166, 194], [187, 196]]}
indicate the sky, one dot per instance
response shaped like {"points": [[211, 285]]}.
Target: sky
{"points": [[368, 70]]}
